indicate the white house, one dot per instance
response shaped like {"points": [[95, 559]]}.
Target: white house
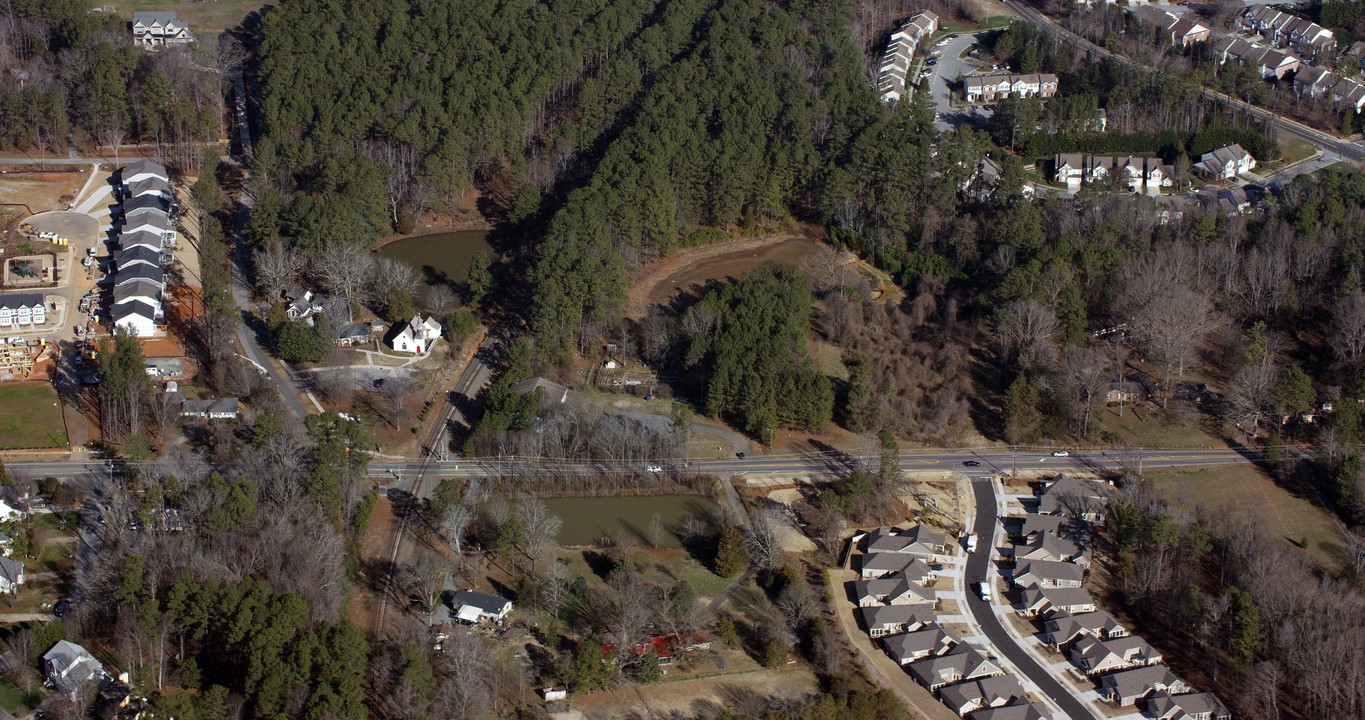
{"points": [[212, 409], [138, 316], [473, 607], [1226, 163], [69, 667], [20, 310], [11, 575], [416, 335], [157, 29]]}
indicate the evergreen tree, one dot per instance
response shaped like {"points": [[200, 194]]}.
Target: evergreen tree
{"points": [[732, 556]]}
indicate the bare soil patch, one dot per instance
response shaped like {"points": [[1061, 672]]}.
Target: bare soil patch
{"points": [[689, 271], [687, 697], [41, 191]]}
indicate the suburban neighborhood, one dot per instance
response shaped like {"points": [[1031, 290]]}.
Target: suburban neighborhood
{"points": [[709, 361]]}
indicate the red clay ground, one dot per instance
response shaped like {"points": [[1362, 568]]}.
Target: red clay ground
{"points": [[689, 270]]}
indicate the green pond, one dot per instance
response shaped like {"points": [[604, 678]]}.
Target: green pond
{"points": [[587, 519], [439, 257]]}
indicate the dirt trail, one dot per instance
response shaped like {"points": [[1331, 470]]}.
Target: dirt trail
{"points": [[660, 280]]}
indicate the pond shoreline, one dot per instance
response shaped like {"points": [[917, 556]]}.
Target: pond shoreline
{"points": [[440, 228]]}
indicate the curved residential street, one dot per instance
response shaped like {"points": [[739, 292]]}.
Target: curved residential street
{"points": [[978, 569]]}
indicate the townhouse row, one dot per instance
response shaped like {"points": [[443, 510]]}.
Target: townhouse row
{"points": [[145, 239], [895, 65]]}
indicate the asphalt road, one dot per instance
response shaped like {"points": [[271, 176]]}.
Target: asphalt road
{"points": [[978, 563], [1354, 152], [991, 461]]}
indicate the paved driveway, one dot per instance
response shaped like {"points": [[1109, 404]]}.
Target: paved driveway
{"points": [[951, 65]]}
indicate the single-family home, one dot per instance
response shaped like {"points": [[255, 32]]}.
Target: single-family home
{"points": [[159, 29], [1062, 627], [139, 170], [1234, 201], [69, 667], [892, 590], [909, 647], [147, 273], [144, 237], [963, 662], [1226, 163], [882, 564], [416, 335], [1095, 656], [919, 541], [217, 408], [1042, 600], [474, 607], [356, 333], [1313, 81], [1347, 93], [884, 620], [1047, 574], [1068, 169], [143, 203], [1189, 706], [139, 316], [1071, 497], [1017, 711], [1034, 525], [1123, 392], [156, 222], [20, 310], [1126, 687], [558, 692], [302, 304], [986, 692], [1182, 31], [11, 575], [1054, 548], [154, 186], [131, 256], [144, 290]]}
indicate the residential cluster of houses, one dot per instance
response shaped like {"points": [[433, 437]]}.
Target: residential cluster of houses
{"points": [[896, 604], [159, 29], [145, 240], [989, 88], [412, 336], [1051, 554], [1183, 32], [19, 311], [1138, 173], [1284, 30], [895, 67]]}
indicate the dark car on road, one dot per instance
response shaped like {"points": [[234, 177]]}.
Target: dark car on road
{"points": [[972, 463]]}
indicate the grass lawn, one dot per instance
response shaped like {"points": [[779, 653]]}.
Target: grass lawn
{"points": [[1291, 518], [659, 565], [203, 17], [11, 697], [961, 26], [1145, 428], [1293, 150], [30, 416]]}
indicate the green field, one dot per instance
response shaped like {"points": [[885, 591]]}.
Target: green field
{"points": [[1145, 427], [1236, 487], [204, 18], [30, 416], [586, 520]]}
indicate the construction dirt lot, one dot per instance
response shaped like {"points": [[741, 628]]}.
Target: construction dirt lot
{"points": [[702, 696], [690, 270], [42, 191]]}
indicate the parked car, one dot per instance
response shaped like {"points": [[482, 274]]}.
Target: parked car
{"points": [[654, 468], [984, 589]]}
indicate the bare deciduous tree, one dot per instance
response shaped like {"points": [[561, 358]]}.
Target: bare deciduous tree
{"points": [[344, 269], [277, 269], [1347, 337], [1026, 330], [539, 528], [395, 393]]}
